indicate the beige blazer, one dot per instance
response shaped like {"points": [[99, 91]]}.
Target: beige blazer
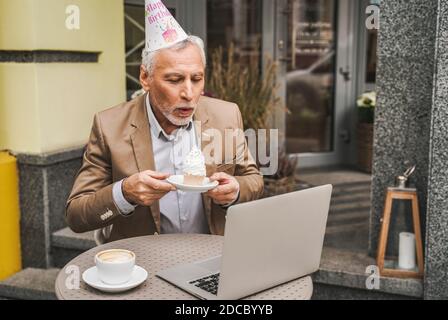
{"points": [[120, 146]]}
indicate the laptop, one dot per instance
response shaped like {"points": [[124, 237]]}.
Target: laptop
{"points": [[267, 242]]}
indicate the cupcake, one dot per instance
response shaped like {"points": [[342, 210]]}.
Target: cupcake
{"points": [[194, 168]]}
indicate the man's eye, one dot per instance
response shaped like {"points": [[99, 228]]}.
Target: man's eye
{"points": [[197, 79], [174, 80]]}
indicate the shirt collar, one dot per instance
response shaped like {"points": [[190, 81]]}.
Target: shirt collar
{"points": [[157, 129]]}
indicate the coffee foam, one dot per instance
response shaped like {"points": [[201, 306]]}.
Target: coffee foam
{"points": [[115, 256]]}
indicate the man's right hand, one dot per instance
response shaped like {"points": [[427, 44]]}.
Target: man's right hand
{"points": [[146, 187]]}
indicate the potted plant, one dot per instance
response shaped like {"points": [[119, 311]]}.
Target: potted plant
{"points": [[245, 83], [285, 179], [366, 113]]}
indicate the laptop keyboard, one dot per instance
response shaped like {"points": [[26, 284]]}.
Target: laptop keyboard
{"points": [[208, 283]]}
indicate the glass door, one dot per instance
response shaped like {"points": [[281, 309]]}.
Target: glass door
{"points": [[313, 44]]}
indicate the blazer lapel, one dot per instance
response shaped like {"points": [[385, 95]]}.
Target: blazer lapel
{"points": [[142, 147]]}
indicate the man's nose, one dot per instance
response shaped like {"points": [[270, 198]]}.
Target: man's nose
{"points": [[187, 91]]}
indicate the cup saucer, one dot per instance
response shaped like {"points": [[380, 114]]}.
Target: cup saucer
{"points": [[90, 276], [178, 182]]}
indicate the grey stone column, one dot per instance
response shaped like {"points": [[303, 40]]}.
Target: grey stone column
{"points": [[45, 183], [404, 86], [410, 123], [436, 271]]}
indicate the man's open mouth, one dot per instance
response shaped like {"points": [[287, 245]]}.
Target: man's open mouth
{"points": [[185, 112]]}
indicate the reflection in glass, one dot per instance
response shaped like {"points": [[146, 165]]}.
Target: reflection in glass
{"points": [[237, 21], [310, 75]]}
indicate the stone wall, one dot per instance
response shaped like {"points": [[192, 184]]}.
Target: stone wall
{"points": [[410, 123]]}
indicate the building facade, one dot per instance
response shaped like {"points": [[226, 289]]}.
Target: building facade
{"points": [[63, 61]]}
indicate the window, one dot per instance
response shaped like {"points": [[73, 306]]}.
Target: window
{"points": [[237, 22]]}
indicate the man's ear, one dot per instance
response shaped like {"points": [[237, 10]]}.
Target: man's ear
{"points": [[144, 78]]}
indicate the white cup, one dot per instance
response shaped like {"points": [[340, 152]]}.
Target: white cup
{"points": [[115, 266]]}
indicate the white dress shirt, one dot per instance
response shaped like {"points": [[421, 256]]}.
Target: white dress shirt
{"points": [[180, 212]]}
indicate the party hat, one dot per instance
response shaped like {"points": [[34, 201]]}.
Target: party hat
{"points": [[162, 30]]}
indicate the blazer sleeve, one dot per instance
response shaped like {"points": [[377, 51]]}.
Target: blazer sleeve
{"points": [[90, 205], [246, 171]]}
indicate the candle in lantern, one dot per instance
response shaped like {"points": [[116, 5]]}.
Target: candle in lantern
{"points": [[406, 253]]}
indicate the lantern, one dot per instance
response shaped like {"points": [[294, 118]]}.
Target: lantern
{"points": [[410, 255]]}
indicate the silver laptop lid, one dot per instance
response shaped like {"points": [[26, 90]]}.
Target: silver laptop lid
{"points": [[272, 241]]}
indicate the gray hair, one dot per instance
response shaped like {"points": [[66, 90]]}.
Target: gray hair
{"points": [[148, 58]]}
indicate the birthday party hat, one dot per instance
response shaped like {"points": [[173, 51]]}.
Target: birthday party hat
{"points": [[162, 30]]}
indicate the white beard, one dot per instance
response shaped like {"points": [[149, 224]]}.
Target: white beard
{"points": [[177, 121]]}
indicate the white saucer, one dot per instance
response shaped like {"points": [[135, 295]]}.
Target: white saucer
{"points": [[90, 277], [178, 182]]}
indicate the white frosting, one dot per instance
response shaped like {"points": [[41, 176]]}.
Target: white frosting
{"points": [[194, 163]]}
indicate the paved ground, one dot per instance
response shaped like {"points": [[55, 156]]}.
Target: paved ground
{"points": [[348, 219], [333, 175]]}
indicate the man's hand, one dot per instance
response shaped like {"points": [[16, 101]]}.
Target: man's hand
{"points": [[227, 190], [146, 187]]}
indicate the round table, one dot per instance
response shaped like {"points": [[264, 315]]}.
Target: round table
{"points": [[155, 253]]}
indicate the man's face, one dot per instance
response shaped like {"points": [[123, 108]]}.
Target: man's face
{"points": [[176, 83]]}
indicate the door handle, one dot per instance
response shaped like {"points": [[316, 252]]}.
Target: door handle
{"points": [[281, 47], [281, 44], [346, 74]]}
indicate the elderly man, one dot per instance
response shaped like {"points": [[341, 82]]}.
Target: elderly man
{"points": [[133, 147]]}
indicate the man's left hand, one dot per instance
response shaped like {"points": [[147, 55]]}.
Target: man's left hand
{"points": [[227, 191]]}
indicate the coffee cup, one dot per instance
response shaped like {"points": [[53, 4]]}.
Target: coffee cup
{"points": [[115, 266]]}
